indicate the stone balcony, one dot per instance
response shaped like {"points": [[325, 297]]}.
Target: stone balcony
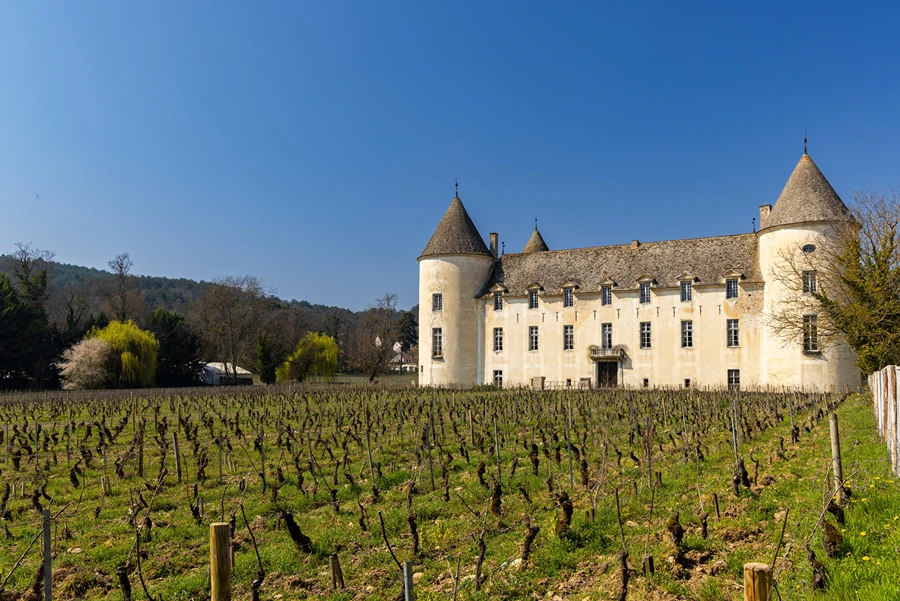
{"points": [[606, 354]]}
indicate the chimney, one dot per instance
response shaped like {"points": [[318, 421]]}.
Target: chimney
{"points": [[494, 245], [635, 244], [764, 211]]}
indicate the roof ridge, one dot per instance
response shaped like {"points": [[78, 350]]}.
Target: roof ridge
{"points": [[627, 244]]}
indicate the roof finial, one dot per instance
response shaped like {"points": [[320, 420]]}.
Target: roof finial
{"points": [[754, 225], [804, 142], [456, 186], [535, 222]]}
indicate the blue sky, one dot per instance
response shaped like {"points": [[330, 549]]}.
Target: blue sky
{"points": [[315, 144]]}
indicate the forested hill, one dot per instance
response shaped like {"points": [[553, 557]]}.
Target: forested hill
{"points": [[172, 294]]}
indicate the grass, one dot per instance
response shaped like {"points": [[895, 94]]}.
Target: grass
{"points": [[581, 564]]}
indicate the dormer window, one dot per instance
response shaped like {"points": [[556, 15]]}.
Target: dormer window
{"points": [[437, 302], [532, 299], [568, 297], [686, 291], [498, 301], [731, 288], [606, 295], [645, 292]]}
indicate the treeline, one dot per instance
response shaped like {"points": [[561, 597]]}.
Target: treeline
{"points": [[47, 307]]}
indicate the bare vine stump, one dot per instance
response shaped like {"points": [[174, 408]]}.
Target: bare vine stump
{"points": [[757, 581], [220, 561]]}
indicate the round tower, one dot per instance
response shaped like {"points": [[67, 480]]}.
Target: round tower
{"points": [[452, 269], [793, 237]]}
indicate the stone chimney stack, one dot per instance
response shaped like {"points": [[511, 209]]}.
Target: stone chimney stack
{"points": [[494, 243], [635, 244], [764, 211]]}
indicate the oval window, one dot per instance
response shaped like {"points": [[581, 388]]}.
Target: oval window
{"points": [[808, 248]]}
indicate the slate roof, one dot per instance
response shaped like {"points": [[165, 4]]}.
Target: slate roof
{"points": [[807, 196], [705, 259], [456, 235], [535, 243]]}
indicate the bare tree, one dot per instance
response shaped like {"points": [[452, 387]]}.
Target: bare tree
{"points": [[848, 287], [372, 343], [117, 291], [231, 312]]}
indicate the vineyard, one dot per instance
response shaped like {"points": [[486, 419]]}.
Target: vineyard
{"points": [[489, 494]]}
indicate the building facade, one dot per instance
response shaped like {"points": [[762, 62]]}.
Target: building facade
{"points": [[679, 313]]}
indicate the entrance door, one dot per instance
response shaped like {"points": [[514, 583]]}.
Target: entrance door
{"points": [[607, 374]]}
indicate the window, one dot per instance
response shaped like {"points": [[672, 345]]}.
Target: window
{"points": [[498, 339], [606, 335], [568, 297], [498, 301], [568, 382], [606, 295], [532, 299], [568, 338], [532, 338], [498, 378], [734, 379], [645, 383], [686, 291], [687, 382], [810, 334], [731, 288], [734, 332], [645, 334], [809, 281], [808, 248], [645, 292], [687, 334], [437, 342], [437, 302]]}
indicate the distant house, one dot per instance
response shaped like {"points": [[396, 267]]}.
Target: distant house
{"points": [[217, 374], [403, 362]]}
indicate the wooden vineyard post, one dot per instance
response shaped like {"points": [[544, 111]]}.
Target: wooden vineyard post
{"points": [[48, 558], [104, 485], [220, 561], [6, 443], [177, 455], [337, 576], [757, 581], [836, 457], [408, 593], [140, 470]]}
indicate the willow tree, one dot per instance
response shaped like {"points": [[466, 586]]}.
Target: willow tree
{"points": [[134, 353], [315, 355]]}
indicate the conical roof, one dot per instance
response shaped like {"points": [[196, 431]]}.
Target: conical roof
{"points": [[807, 196], [456, 235], [535, 244]]}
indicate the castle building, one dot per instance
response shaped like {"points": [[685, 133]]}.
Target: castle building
{"points": [[679, 313]]}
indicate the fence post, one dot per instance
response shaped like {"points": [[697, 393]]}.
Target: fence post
{"points": [[220, 561], [836, 457], [48, 558], [177, 455], [757, 581], [408, 594]]}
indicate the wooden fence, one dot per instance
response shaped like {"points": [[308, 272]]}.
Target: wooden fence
{"points": [[886, 401]]}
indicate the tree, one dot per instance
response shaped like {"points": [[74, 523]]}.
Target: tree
{"points": [[178, 362], [231, 312], [856, 292], [87, 365], [29, 265], [134, 354], [22, 327], [408, 330], [117, 291], [374, 336], [315, 355], [265, 361]]}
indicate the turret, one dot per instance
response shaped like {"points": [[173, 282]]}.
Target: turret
{"points": [[452, 269], [793, 235]]}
